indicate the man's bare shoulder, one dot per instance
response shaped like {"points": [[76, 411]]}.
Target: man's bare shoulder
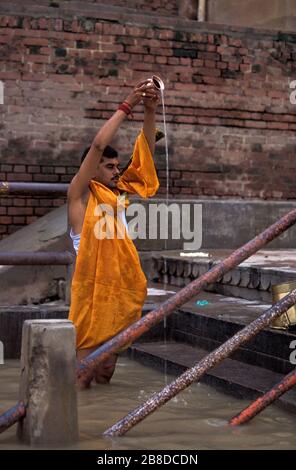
{"points": [[76, 210]]}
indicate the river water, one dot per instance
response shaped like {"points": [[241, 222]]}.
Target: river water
{"points": [[195, 419]]}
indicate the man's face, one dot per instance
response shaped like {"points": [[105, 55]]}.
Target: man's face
{"points": [[108, 172]]}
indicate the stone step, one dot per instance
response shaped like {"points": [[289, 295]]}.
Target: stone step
{"points": [[231, 376], [13, 317], [251, 280], [207, 326], [216, 319]]}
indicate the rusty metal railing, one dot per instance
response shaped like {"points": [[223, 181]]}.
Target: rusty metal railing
{"points": [[12, 416], [31, 258], [195, 373], [41, 258], [29, 189], [88, 365], [248, 413]]}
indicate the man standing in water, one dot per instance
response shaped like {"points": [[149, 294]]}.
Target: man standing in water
{"points": [[109, 287]]}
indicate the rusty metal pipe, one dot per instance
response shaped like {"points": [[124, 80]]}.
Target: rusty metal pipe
{"points": [[85, 367], [41, 189], [197, 371], [261, 403], [24, 258], [11, 416]]}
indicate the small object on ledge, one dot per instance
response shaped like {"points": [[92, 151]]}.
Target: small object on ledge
{"points": [[199, 254], [202, 303], [288, 318]]}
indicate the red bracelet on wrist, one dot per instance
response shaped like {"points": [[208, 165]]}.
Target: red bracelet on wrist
{"points": [[126, 108]]}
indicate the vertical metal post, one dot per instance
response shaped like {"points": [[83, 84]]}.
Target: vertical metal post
{"points": [[202, 8]]}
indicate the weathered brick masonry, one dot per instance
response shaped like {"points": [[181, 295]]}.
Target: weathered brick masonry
{"points": [[231, 125]]}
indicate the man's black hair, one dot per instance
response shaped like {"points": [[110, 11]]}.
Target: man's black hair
{"points": [[109, 152]]}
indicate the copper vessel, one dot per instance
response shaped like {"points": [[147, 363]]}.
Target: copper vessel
{"points": [[289, 317]]}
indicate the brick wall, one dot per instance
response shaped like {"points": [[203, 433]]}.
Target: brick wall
{"points": [[231, 125], [17, 211]]}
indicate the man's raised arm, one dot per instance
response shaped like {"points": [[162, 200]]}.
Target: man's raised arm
{"points": [[89, 167]]}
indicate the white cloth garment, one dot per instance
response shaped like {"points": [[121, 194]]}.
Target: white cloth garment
{"points": [[75, 237]]}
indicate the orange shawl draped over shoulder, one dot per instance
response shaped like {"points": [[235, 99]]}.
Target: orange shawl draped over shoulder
{"points": [[109, 286]]}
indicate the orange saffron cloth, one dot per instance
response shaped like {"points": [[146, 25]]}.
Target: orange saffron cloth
{"points": [[109, 287]]}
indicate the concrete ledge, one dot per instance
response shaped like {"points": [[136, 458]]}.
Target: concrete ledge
{"points": [[251, 280], [123, 15]]}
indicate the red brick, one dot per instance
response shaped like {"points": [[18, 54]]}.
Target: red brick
{"points": [[19, 220], [278, 125], [61, 170], [72, 170], [19, 168], [210, 63], [246, 68], [19, 202], [235, 42], [186, 191], [65, 178], [5, 220], [59, 202], [45, 178], [45, 202], [175, 174], [175, 190], [4, 167], [209, 72], [33, 41], [173, 60], [256, 124], [32, 202], [5, 201], [161, 60], [136, 49], [33, 169], [20, 211], [21, 177]]}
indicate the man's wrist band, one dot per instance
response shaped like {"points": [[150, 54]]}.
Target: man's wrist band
{"points": [[126, 108]]}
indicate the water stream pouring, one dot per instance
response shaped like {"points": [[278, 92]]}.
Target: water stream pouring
{"points": [[159, 85]]}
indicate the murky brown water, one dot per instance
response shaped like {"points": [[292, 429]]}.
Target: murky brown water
{"points": [[194, 420]]}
